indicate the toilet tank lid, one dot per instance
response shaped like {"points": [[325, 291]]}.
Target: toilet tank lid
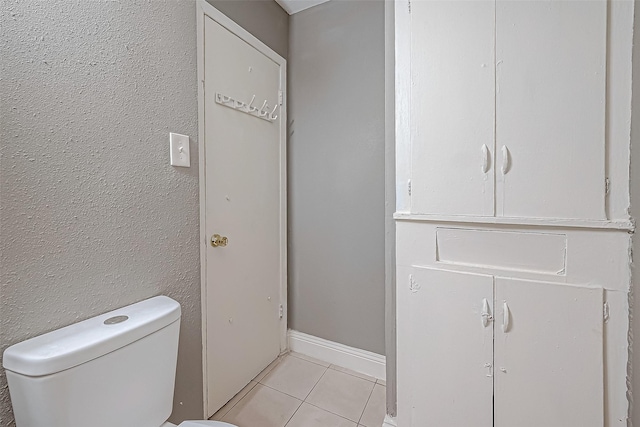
{"points": [[87, 340]]}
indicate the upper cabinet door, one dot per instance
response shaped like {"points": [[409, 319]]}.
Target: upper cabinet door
{"points": [[549, 366], [550, 108], [452, 107]]}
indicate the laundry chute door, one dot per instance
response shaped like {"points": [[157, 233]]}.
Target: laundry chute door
{"points": [[244, 175]]}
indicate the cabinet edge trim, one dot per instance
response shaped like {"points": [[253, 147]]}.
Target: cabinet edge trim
{"points": [[624, 225]]}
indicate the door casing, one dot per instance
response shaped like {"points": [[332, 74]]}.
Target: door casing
{"points": [[204, 10]]}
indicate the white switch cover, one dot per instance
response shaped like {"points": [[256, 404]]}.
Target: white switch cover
{"points": [[179, 150]]}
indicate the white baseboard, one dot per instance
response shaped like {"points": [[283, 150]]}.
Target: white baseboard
{"points": [[389, 421], [362, 361]]}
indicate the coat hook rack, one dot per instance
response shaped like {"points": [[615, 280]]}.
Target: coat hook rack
{"points": [[261, 113]]}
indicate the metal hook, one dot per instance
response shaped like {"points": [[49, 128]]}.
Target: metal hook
{"points": [[226, 99], [271, 116]]}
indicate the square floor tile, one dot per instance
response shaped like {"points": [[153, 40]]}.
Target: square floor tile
{"points": [[341, 394], [263, 407], [294, 376], [354, 373], [311, 416], [376, 408], [230, 404], [310, 359]]}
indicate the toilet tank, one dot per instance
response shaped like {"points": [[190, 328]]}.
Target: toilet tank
{"points": [[113, 370]]}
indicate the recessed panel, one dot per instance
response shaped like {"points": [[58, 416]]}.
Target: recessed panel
{"points": [[504, 250]]}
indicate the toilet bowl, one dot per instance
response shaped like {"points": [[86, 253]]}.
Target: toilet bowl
{"points": [[116, 369]]}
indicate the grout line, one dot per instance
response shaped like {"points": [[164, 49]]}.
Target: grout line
{"points": [[294, 414], [239, 400], [275, 365], [314, 386], [366, 404], [277, 359], [293, 354], [332, 413], [375, 380], [280, 391]]}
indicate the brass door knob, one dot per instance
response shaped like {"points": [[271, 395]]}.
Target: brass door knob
{"points": [[218, 241]]}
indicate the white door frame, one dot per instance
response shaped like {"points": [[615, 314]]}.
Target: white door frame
{"points": [[204, 10]]}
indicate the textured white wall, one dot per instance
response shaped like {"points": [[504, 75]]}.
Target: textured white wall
{"points": [[92, 216], [634, 366]]}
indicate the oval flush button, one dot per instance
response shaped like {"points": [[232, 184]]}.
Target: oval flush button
{"points": [[116, 319]]}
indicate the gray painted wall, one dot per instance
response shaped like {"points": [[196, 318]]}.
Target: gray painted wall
{"points": [[337, 173], [92, 216], [264, 19]]}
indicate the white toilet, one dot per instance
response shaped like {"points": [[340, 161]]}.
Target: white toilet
{"points": [[113, 370]]}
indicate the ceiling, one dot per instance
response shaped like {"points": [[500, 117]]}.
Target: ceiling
{"points": [[295, 6]]}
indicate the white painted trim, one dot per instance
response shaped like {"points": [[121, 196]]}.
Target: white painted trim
{"points": [[390, 204], [295, 6], [403, 104], [204, 10], [358, 360], [200, 16], [389, 421], [627, 225]]}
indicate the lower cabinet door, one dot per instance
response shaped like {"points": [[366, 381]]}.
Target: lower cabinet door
{"points": [[450, 369], [548, 355]]}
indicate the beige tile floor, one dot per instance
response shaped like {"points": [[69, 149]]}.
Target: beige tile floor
{"points": [[299, 391]]}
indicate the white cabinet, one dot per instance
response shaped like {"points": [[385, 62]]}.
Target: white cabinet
{"points": [[548, 355], [551, 59], [452, 350], [453, 106], [512, 187], [508, 108], [543, 368]]}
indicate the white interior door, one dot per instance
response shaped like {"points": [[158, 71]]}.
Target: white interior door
{"points": [[550, 108], [548, 355], [452, 119], [245, 202], [450, 372]]}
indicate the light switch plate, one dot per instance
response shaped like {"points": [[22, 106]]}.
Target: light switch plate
{"points": [[179, 145]]}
